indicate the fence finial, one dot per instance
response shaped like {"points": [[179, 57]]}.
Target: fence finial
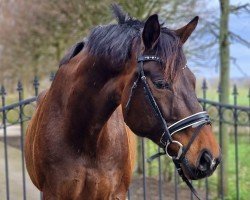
{"points": [[204, 84], [36, 82], [19, 86], [235, 91], [36, 85], [2, 91]]}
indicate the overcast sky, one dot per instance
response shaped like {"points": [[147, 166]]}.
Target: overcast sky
{"points": [[240, 25]]}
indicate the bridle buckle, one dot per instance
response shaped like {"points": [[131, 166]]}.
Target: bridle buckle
{"points": [[162, 141]]}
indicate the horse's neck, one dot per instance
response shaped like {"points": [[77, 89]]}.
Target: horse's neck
{"points": [[88, 96]]}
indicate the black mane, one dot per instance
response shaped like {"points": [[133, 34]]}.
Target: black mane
{"points": [[119, 14], [72, 53], [109, 41], [169, 48], [113, 42]]}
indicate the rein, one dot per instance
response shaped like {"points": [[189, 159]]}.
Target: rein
{"points": [[197, 121]]}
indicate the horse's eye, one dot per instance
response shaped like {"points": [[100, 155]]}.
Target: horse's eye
{"points": [[161, 84]]}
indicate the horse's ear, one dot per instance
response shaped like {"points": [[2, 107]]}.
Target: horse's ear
{"points": [[151, 32], [187, 30]]}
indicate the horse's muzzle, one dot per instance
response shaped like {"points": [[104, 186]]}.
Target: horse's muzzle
{"points": [[206, 165]]}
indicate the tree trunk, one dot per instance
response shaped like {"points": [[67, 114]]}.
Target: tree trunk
{"points": [[224, 92]]}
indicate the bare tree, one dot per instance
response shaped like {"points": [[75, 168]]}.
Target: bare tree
{"points": [[35, 34], [224, 88], [225, 37]]}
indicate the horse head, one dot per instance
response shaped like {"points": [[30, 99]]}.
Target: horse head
{"points": [[159, 101]]}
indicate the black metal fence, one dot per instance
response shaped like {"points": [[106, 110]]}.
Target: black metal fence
{"points": [[156, 180]]}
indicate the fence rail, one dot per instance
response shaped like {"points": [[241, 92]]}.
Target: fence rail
{"points": [[161, 172]]}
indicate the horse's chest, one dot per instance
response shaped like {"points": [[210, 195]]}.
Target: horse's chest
{"points": [[102, 184], [87, 183]]}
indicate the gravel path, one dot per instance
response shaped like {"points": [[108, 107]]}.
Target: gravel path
{"points": [[15, 176]]}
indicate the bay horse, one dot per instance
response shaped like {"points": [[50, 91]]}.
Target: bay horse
{"points": [[77, 145]]}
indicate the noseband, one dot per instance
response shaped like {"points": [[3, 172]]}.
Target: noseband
{"points": [[197, 121]]}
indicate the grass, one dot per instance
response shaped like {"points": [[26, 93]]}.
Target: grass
{"points": [[244, 167], [242, 97]]}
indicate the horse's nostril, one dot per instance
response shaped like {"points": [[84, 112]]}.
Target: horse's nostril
{"points": [[206, 162]]}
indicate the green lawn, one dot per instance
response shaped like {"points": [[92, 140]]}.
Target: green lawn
{"points": [[212, 94], [244, 168]]}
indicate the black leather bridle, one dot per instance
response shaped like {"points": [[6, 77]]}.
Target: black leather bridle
{"points": [[197, 121]]}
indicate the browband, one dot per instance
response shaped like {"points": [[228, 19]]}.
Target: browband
{"points": [[149, 58]]}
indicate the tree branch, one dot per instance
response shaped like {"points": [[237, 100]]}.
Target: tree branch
{"points": [[236, 9], [234, 37]]}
